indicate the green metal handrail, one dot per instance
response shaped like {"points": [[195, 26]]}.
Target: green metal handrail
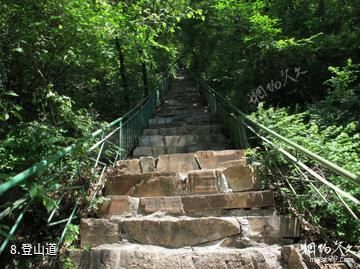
{"points": [[119, 136], [337, 169], [228, 112]]}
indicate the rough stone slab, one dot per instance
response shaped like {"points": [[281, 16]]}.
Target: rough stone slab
{"points": [[136, 256], [292, 257], [177, 162], [120, 185], [179, 232], [203, 181], [171, 205], [95, 232], [130, 166], [119, 205], [197, 129], [160, 120], [147, 164], [170, 141], [167, 231], [158, 150], [173, 111], [274, 226], [162, 150], [217, 159], [158, 184], [145, 184], [268, 211], [182, 121], [153, 140], [205, 205], [142, 151], [180, 140], [228, 201], [241, 178]]}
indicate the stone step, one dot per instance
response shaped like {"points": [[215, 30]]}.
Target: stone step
{"points": [[130, 255], [145, 184], [184, 102], [188, 116], [175, 97], [180, 140], [236, 177], [182, 163], [160, 150], [183, 89], [151, 230], [210, 159], [181, 109], [122, 205], [195, 130], [184, 123], [187, 112], [177, 232], [181, 113]]}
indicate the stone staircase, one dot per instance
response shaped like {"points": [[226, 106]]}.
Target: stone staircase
{"points": [[187, 200]]}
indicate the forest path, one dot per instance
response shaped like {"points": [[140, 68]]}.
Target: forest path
{"points": [[187, 200]]}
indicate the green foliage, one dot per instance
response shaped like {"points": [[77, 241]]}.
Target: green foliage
{"points": [[24, 145], [65, 68], [337, 141], [71, 235], [342, 103], [248, 44]]}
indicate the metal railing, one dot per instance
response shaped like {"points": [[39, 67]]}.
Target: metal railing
{"points": [[236, 123], [93, 154]]}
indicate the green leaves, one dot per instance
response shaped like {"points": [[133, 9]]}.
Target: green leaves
{"points": [[334, 141], [19, 50], [72, 234], [11, 93]]}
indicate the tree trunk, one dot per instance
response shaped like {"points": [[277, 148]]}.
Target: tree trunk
{"points": [[122, 70], [145, 79]]}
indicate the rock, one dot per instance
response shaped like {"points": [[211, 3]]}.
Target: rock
{"points": [[179, 232], [95, 232], [274, 226], [203, 181], [166, 231], [217, 159], [130, 166], [145, 184], [180, 140], [142, 151], [292, 257], [158, 184], [153, 140], [228, 200], [172, 205], [252, 212], [119, 206], [120, 185], [147, 164], [240, 178], [160, 120], [197, 129], [177, 162], [131, 256], [203, 205]]}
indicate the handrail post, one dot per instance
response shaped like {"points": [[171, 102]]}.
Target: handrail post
{"points": [[242, 133], [121, 146]]}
